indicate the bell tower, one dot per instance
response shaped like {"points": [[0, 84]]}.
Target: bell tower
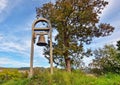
{"points": [[41, 32]]}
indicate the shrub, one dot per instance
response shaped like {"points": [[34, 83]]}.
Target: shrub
{"points": [[11, 74]]}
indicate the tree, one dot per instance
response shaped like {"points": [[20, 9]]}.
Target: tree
{"points": [[118, 49], [106, 60], [118, 45], [77, 24]]}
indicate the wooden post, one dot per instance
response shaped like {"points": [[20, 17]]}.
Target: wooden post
{"points": [[51, 49], [31, 55]]}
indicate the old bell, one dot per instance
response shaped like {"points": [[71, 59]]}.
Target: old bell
{"points": [[41, 41]]}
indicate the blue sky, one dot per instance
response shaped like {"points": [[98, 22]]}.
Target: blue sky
{"points": [[16, 18]]}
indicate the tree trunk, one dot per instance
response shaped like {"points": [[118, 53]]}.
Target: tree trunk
{"points": [[68, 64], [66, 44]]}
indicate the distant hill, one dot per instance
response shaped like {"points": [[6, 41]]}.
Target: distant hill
{"points": [[23, 68]]}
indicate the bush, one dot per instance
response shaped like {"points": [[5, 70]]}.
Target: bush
{"points": [[11, 74]]}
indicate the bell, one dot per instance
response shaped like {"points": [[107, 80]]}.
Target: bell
{"points": [[41, 41]]}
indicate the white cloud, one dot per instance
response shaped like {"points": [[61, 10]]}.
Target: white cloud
{"points": [[39, 59], [1, 37], [3, 5], [111, 13], [6, 6], [4, 61], [10, 44], [112, 6], [112, 39], [22, 48]]}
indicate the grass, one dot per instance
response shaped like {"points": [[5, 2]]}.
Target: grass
{"points": [[17, 82], [64, 78]]}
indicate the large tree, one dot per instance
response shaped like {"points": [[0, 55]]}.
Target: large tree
{"points": [[77, 23]]}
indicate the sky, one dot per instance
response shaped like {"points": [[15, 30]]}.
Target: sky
{"points": [[16, 18]]}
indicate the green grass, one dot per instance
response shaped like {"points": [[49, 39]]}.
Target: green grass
{"points": [[17, 82], [64, 78]]}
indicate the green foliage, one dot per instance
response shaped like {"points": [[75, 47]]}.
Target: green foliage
{"points": [[8, 74], [106, 60]]}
